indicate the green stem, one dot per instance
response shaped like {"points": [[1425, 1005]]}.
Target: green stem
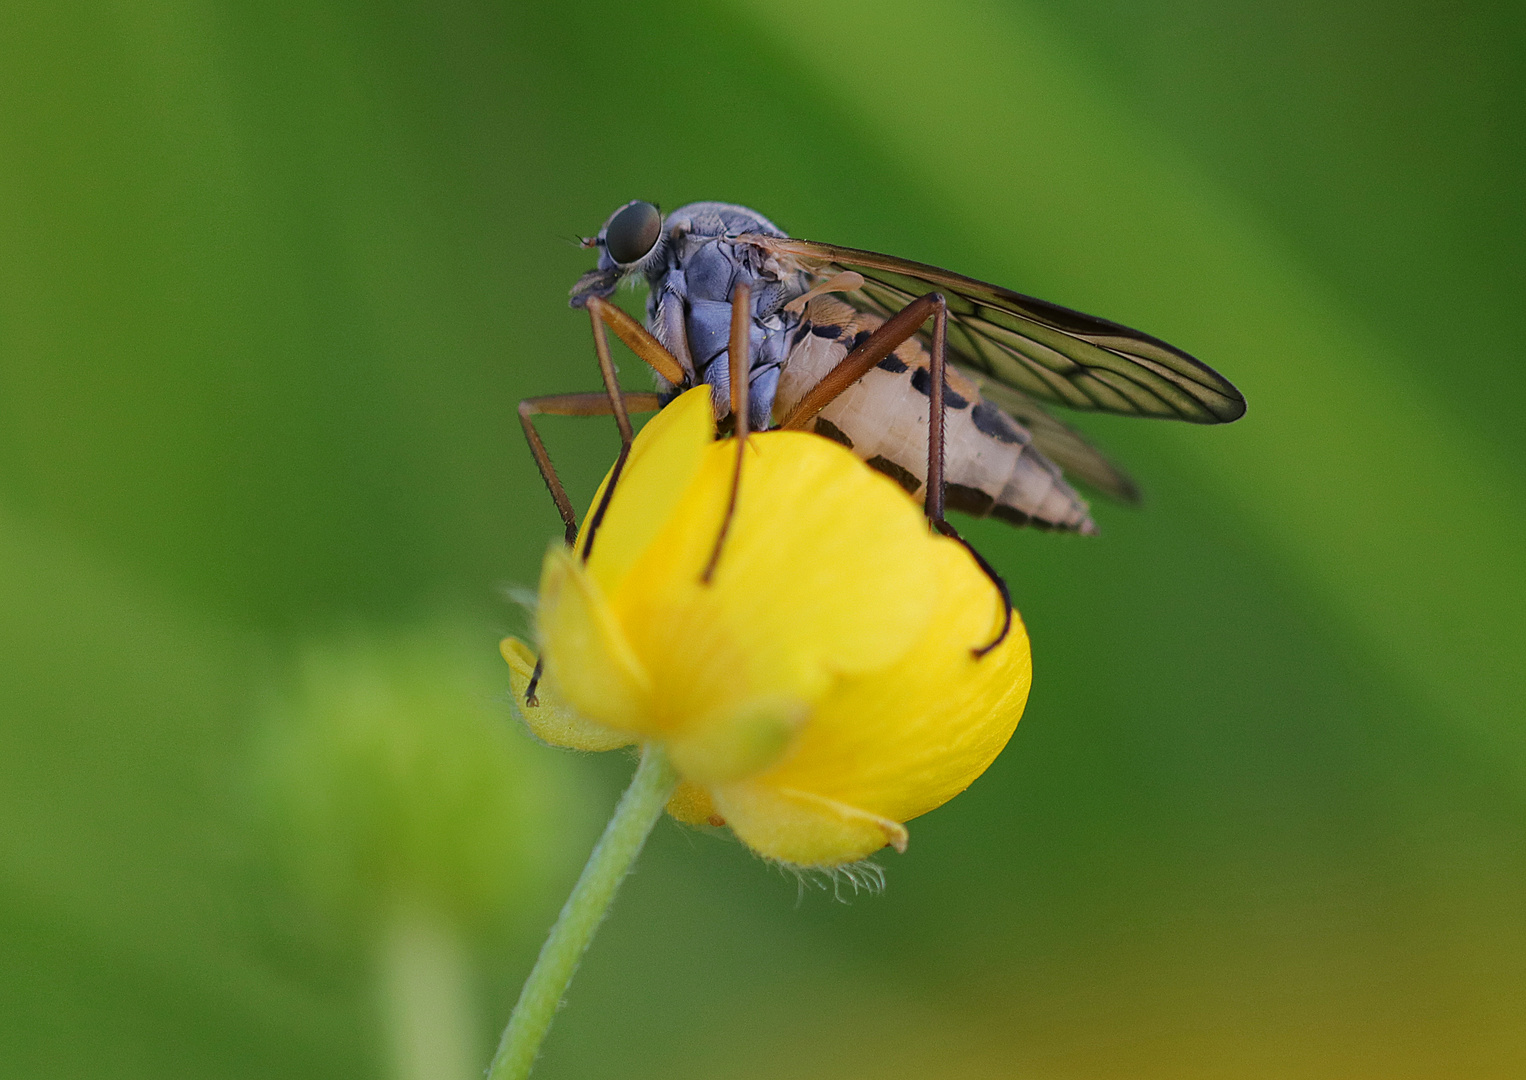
{"points": [[612, 857]]}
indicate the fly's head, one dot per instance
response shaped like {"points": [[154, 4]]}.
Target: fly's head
{"points": [[631, 242]]}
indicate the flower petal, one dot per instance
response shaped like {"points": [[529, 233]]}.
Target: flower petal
{"points": [[586, 651], [664, 459], [744, 742], [905, 740], [794, 602], [804, 828], [552, 720]]}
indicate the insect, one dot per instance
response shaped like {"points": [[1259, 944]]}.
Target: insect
{"points": [[939, 381]]}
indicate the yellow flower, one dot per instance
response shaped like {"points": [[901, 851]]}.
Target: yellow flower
{"points": [[821, 689]]}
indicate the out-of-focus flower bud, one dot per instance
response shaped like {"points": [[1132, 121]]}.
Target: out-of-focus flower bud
{"points": [[393, 780]]}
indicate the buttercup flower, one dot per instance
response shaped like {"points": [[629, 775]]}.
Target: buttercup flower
{"points": [[821, 689]]}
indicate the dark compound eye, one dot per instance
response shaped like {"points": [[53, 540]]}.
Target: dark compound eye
{"points": [[632, 232]]}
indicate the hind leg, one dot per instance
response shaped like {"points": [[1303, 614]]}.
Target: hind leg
{"points": [[886, 339]]}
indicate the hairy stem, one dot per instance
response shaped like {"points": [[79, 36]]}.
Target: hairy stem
{"points": [[612, 858]]}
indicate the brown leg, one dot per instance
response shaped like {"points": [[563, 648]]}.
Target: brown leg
{"points": [[739, 361], [598, 315], [884, 341], [895, 330], [651, 351], [636, 337], [570, 405], [592, 404], [613, 401], [945, 529]]}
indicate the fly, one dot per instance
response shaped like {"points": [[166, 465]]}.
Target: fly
{"points": [[942, 382]]}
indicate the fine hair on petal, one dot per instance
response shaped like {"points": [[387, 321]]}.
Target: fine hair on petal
{"points": [[844, 882], [521, 596]]}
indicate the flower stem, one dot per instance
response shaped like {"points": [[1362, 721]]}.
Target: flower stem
{"points": [[612, 858]]}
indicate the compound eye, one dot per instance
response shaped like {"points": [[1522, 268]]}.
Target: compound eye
{"points": [[632, 232]]}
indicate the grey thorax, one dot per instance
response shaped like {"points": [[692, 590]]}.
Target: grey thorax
{"points": [[692, 271]]}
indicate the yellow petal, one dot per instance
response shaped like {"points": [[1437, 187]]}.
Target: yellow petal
{"points": [[585, 650], [909, 738], [737, 745], [552, 720], [818, 578], [804, 828], [692, 805], [664, 458]]}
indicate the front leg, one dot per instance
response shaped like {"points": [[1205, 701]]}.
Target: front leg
{"points": [[739, 363], [655, 355], [614, 401], [570, 405]]}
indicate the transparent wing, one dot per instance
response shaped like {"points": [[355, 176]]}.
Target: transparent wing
{"points": [[1045, 351], [1060, 443]]}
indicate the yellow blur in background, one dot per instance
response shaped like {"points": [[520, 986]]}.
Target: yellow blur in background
{"points": [[272, 278]]}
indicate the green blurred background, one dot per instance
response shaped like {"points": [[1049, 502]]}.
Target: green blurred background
{"points": [[272, 278]]}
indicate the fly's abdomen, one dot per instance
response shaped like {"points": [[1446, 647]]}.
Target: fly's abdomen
{"points": [[991, 467]]}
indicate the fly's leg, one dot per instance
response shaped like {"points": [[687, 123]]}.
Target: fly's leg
{"points": [[739, 363], [880, 344], [613, 401], [937, 369], [945, 529], [591, 404], [652, 352], [638, 339]]}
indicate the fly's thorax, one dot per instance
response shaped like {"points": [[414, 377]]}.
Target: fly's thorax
{"points": [[689, 307], [718, 219]]}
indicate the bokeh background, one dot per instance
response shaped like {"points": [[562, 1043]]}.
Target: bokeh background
{"points": [[272, 278]]}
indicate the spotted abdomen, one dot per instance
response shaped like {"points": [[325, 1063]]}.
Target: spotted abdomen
{"points": [[991, 467]]}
